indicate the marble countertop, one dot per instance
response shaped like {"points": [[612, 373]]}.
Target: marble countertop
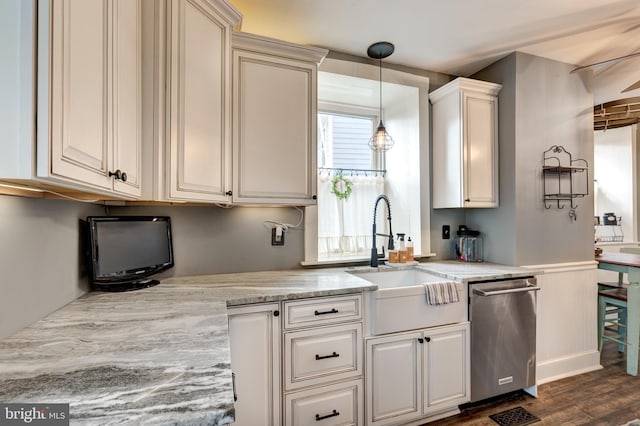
{"points": [[482, 271], [159, 355]]}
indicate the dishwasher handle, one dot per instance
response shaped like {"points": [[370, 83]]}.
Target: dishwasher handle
{"points": [[507, 291]]}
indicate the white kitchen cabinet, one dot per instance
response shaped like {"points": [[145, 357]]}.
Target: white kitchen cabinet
{"points": [[89, 99], [322, 363], [319, 355], [332, 405], [274, 121], [414, 375], [465, 144], [196, 159], [254, 334], [446, 372]]}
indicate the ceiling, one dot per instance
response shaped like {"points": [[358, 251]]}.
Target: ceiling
{"points": [[460, 37]]}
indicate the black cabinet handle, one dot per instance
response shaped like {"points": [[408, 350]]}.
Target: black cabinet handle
{"points": [[117, 174], [315, 197], [333, 355], [276, 313], [229, 193], [332, 311], [333, 414], [233, 381], [428, 339], [124, 177], [420, 340]]}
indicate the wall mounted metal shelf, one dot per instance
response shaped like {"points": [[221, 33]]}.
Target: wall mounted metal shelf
{"points": [[565, 179]]}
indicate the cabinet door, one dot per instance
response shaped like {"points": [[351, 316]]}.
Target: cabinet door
{"points": [[254, 334], [79, 86], [199, 102], [480, 149], [394, 379], [446, 371], [127, 95], [274, 129]]}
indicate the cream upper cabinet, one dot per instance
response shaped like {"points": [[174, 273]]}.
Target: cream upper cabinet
{"points": [[198, 121], [94, 81], [274, 121], [88, 102], [465, 144]]}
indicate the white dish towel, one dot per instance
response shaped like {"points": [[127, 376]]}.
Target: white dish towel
{"points": [[441, 293]]}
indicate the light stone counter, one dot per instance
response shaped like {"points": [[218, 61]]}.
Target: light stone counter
{"points": [[154, 356], [482, 271]]}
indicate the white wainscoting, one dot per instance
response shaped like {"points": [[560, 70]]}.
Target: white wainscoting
{"points": [[566, 320]]}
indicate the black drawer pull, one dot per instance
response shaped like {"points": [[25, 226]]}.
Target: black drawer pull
{"points": [[319, 417], [333, 355], [332, 311]]}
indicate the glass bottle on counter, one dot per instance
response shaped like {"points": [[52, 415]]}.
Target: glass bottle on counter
{"points": [[409, 248], [402, 250]]}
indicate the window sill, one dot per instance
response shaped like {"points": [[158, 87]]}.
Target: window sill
{"points": [[355, 261]]}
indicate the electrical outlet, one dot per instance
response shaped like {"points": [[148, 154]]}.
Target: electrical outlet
{"points": [[277, 236], [446, 232]]}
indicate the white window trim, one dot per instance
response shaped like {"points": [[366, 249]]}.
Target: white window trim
{"points": [[389, 76]]}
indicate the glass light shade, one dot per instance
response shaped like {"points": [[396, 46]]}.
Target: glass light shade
{"points": [[381, 140]]}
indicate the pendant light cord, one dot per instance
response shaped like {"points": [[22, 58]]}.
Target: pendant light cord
{"points": [[380, 90]]}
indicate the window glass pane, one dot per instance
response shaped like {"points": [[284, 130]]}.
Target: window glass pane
{"points": [[343, 141]]}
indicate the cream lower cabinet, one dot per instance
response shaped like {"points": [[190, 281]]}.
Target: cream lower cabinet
{"points": [[274, 121], [413, 375], [254, 334], [323, 361], [88, 102], [465, 144]]}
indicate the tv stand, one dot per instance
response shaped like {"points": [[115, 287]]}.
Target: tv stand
{"points": [[134, 285]]}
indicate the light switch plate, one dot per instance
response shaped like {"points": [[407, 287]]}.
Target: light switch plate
{"points": [[446, 232]]}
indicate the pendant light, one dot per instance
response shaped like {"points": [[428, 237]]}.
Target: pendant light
{"points": [[381, 140]]}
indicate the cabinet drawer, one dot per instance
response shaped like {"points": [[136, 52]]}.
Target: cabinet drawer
{"points": [[323, 310], [322, 354], [339, 404]]}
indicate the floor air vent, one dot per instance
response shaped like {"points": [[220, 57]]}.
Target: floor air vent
{"points": [[514, 417]]}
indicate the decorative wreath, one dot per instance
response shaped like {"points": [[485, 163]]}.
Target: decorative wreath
{"points": [[341, 187]]}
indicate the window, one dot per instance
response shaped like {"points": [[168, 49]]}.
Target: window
{"points": [[338, 230], [347, 184]]}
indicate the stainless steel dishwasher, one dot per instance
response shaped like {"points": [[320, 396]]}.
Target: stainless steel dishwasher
{"points": [[503, 336]]}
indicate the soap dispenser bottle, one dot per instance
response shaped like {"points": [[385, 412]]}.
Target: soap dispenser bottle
{"points": [[402, 250], [409, 248]]}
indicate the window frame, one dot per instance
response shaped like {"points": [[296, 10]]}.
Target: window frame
{"points": [[421, 83]]}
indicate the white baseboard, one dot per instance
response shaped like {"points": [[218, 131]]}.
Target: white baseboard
{"points": [[561, 368]]}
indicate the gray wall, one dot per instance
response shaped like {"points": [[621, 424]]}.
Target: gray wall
{"points": [[42, 267], [39, 258], [541, 104], [214, 240]]}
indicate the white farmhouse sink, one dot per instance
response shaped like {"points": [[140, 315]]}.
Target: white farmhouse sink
{"points": [[400, 303], [399, 278]]}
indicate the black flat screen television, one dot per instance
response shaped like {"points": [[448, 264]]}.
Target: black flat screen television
{"points": [[125, 251]]}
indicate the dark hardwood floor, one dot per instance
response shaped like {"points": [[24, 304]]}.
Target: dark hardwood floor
{"points": [[608, 396]]}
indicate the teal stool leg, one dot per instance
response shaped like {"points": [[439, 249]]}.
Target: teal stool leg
{"points": [[622, 329], [601, 313]]}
